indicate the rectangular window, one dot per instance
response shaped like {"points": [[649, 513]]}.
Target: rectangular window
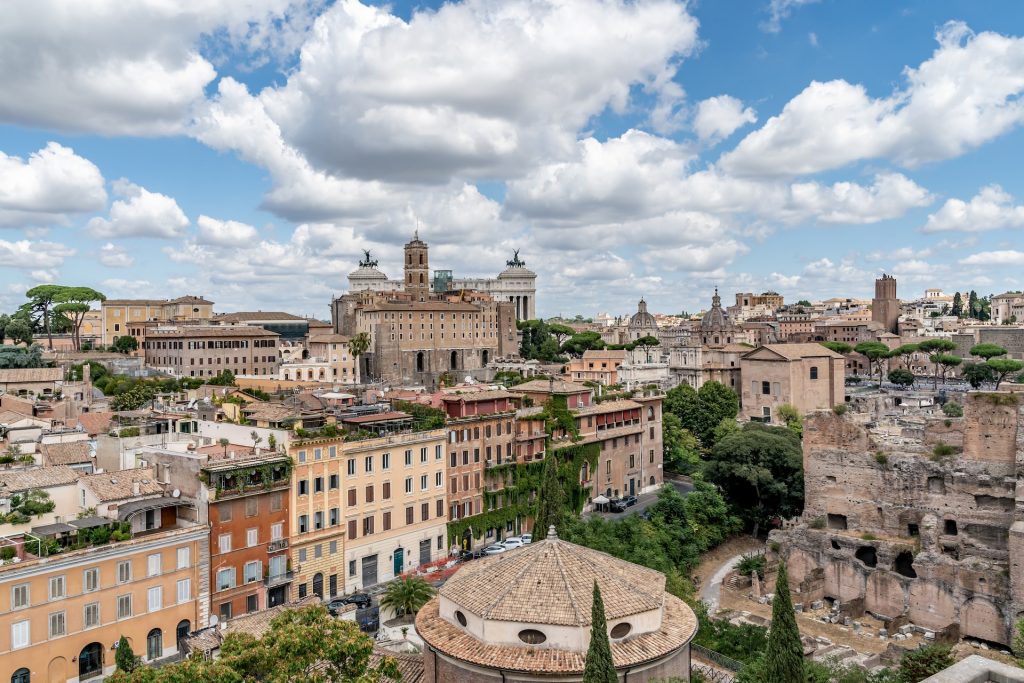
{"points": [[318, 485], [369, 493], [318, 550], [335, 514], [20, 596], [352, 528], [155, 598], [423, 454], [90, 580], [57, 588], [91, 615], [124, 571], [303, 487], [251, 537], [252, 506], [225, 607], [224, 512], [57, 627], [385, 461], [184, 590], [302, 555], [184, 558], [333, 481], [367, 525], [766, 387], [408, 458], [385, 491], [318, 520], [440, 507], [20, 635], [410, 515], [408, 484], [368, 464], [386, 521], [124, 606], [351, 497], [333, 548], [351, 467], [351, 567], [253, 571], [226, 579], [438, 479], [332, 452], [251, 604], [277, 531], [424, 512], [224, 543], [303, 523], [276, 502], [153, 565], [423, 482], [317, 453]]}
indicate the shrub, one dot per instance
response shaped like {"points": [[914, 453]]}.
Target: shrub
{"points": [[839, 409], [919, 664], [750, 564], [881, 458], [942, 451], [868, 536], [775, 547], [818, 523], [7, 553], [953, 409]]}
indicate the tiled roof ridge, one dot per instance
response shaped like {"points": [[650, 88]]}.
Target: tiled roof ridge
{"points": [[624, 584], [568, 587], [511, 585]]}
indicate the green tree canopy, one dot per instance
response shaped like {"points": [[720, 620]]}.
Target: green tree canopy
{"points": [[19, 330], [74, 303], [839, 347], [792, 418], [582, 341], [40, 306], [716, 402], [945, 362], [958, 305], [760, 470], [1001, 367], [538, 343], [987, 351], [977, 374], [552, 503], [901, 377], [21, 356], [679, 444], [876, 352], [124, 658], [125, 344], [803, 302], [560, 332], [598, 666], [936, 347], [407, 594], [905, 352], [923, 662], [784, 656]]}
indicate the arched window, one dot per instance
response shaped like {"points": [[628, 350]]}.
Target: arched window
{"points": [[184, 628], [650, 413], [22, 675], [421, 259], [155, 644], [90, 661], [814, 372], [318, 585]]}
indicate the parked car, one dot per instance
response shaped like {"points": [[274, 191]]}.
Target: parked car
{"points": [[629, 501], [360, 600], [616, 505], [527, 539], [495, 549], [513, 543], [467, 555]]}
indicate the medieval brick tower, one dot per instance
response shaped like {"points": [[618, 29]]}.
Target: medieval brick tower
{"points": [[885, 307], [417, 269]]}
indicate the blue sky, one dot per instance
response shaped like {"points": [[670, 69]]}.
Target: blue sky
{"points": [[247, 151]]}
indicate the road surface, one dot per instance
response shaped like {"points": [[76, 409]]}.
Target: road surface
{"points": [[644, 501], [711, 593]]}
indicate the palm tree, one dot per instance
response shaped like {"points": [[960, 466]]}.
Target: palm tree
{"points": [[224, 444], [357, 346], [406, 595]]}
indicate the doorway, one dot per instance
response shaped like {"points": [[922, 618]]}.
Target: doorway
{"points": [[318, 585], [182, 631], [425, 552], [90, 661], [632, 486], [399, 561], [369, 571]]}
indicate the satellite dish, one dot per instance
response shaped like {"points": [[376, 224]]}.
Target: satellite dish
{"points": [[214, 620], [175, 493]]}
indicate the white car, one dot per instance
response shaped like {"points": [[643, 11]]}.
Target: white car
{"points": [[496, 549], [513, 543], [527, 539]]}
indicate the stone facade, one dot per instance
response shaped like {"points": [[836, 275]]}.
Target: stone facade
{"points": [[207, 350], [808, 377], [885, 307], [915, 518]]}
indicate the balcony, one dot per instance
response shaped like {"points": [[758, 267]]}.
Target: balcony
{"points": [[279, 579], [279, 544]]}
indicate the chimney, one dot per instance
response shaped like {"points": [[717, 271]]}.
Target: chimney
{"points": [[136, 488]]}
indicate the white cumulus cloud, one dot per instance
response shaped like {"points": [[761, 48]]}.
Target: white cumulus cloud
{"points": [[1002, 257], [33, 255], [224, 233], [719, 117], [140, 213], [991, 209], [50, 185], [114, 256]]}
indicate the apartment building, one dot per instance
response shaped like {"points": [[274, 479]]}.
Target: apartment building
{"points": [[63, 613], [317, 535], [597, 366], [481, 433], [395, 510], [208, 350], [120, 317]]}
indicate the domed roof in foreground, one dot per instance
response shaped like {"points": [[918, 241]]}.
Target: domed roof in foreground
{"points": [[552, 582], [528, 610]]}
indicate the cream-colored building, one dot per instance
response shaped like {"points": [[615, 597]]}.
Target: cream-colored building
{"points": [[118, 315], [395, 506], [325, 359], [597, 366], [808, 377]]}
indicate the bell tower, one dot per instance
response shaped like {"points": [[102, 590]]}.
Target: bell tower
{"points": [[417, 268]]}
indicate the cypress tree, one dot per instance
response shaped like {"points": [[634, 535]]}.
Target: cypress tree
{"points": [[124, 658], [599, 667], [784, 656], [550, 500]]}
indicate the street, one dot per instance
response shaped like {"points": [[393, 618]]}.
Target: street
{"points": [[645, 500]]}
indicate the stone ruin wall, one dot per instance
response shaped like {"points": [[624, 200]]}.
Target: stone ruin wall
{"points": [[945, 535]]}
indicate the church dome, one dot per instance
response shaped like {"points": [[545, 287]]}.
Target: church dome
{"points": [[529, 610], [642, 319], [366, 274], [715, 319]]}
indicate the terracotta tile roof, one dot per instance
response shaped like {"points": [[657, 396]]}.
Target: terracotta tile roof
{"points": [[328, 338], [255, 624], [270, 412], [558, 386], [409, 665], [113, 486], [678, 626], [70, 453], [95, 423], [473, 396], [9, 375], [798, 351], [606, 407], [376, 417], [37, 478], [9, 416], [552, 582]]}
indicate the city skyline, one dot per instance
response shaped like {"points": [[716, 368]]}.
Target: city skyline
{"points": [[653, 148]]}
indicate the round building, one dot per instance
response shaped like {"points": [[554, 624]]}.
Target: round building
{"points": [[524, 615]]}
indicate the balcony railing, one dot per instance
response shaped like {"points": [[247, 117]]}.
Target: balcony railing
{"points": [[279, 544], [279, 579]]}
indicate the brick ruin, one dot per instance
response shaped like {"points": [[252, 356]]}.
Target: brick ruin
{"points": [[914, 517]]}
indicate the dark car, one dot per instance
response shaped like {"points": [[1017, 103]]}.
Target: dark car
{"points": [[617, 505], [629, 501], [360, 600]]}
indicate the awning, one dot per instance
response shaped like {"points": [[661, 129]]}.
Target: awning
{"points": [[91, 522], [600, 500], [126, 510], [52, 529]]}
